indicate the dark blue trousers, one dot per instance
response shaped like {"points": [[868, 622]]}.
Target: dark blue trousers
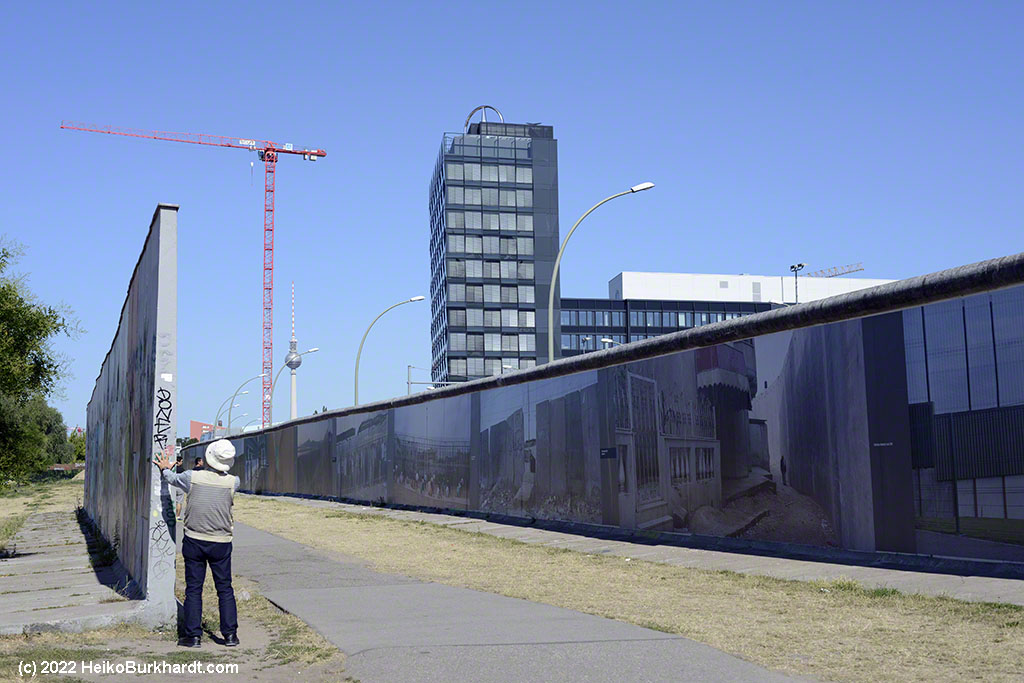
{"points": [[197, 555]]}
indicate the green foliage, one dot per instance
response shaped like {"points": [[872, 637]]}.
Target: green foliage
{"points": [[184, 441], [77, 441], [32, 434]]}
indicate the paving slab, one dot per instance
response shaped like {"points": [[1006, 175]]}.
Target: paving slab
{"points": [[395, 628]]}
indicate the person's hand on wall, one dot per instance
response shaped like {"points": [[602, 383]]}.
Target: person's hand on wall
{"points": [[163, 461]]}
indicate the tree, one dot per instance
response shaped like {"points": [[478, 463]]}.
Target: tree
{"points": [[184, 441], [32, 433], [77, 441]]}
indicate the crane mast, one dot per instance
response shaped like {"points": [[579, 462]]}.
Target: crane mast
{"points": [[268, 152]]}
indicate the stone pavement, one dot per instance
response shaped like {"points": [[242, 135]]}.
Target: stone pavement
{"points": [[961, 587], [49, 583], [393, 628]]}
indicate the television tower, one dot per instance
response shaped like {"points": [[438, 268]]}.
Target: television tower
{"points": [[293, 360]]}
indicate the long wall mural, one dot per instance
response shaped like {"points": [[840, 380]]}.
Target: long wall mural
{"points": [[131, 417], [897, 432]]}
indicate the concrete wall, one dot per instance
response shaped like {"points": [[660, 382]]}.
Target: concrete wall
{"points": [[131, 417], [711, 287]]}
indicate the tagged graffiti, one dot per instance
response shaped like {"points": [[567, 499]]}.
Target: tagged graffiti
{"points": [[162, 423]]}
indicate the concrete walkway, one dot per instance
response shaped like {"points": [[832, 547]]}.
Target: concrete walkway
{"points": [[972, 588], [49, 583], [395, 628]]}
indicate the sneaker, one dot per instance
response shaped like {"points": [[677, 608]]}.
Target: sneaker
{"points": [[231, 640]]}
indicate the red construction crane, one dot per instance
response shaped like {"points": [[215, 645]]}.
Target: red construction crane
{"points": [[268, 152]]}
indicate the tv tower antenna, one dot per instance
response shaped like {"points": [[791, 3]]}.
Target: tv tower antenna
{"points": [[293, 360]]}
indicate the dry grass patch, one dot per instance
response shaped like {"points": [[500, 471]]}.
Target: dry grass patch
{"points": [[830, 630]]}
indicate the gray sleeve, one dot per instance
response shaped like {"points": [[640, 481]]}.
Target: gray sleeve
{"points": [[238, 482], [182, 481]]}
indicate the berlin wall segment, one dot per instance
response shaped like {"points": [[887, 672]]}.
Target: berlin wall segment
{"points": [[131, 417]]}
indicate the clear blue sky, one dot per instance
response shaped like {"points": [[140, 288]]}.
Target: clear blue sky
{"points": [[830, 133]]}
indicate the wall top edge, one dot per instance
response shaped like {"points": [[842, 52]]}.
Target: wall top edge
{"points": [[960, 281]]}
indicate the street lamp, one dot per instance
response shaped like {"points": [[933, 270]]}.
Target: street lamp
{"points": [[229, 422], [221, 409], [796, 268], [274, 383], [554, 274], [250, 422], [262, 374], [360, 352], [606, 340]]}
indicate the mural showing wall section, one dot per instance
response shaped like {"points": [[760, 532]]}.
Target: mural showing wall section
{"points": [[131, 418], [902, 431]]}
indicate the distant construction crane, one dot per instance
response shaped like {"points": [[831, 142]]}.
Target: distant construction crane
{"points": [[836, 271], [268, 152]]}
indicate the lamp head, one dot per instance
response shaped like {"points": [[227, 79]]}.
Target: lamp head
{"points": [[418, 298], [606, 340], [312, 350], [641, 187]]}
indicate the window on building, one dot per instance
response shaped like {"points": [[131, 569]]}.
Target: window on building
{"points": [[492, 294], [491, 245], [636, 319], [508, 222], [528, 342], [456, 195], [457, 366], [524, 222], [456, 292], [474, 367], [474, 342], [509, 295], [474, 268], [508, 270], [618, 318], [457, 317], [456, 268], [492, 318], [473, 197], [474, 317], [527, 319], [492, 341], [567, 341], [526, 270], [526, 294], [453, 171], [472, 172], [510, 342], [492, 366], [685, 319], [506, 174], [525, 245], [474, 245], [524, 199], [456, 220], [490, 221], [457, 341], [505, 197], [475, 293], [527, 363], [457, 243], [489, 173], [565, 318], [509, 364], [509, 317], [473, 220], [524, 174], [492, 269], [489, 197], [508, 246]]}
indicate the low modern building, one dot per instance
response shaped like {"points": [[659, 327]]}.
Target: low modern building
{"points": [[778, 289]]}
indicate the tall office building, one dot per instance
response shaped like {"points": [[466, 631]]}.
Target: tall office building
{"points": [[493, 243]]}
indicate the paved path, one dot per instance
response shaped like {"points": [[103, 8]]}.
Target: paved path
{"points": [[49, 583], [973, 588], [394, 628]]}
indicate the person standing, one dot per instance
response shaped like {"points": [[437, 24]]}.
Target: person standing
{"points": [[209, 528]]}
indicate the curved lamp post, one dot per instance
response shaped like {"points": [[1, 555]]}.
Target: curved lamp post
{"points": [[355, 400], [229, 422], [274, 383], [221, 409], [554, 274], [262, 374]]}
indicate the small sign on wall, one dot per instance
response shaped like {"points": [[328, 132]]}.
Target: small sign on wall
{"points": [[609, 453]]}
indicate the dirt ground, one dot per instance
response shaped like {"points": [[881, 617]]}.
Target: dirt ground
{"points": [[831, 631]]}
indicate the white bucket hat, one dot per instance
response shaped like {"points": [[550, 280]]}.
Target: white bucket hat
{"points": [[220, 455]]}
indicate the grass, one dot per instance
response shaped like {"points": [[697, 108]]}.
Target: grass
{"points": [[835, 630], [8, 527]]}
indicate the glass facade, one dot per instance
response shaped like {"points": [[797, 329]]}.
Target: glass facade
{"points": [[494, 237], [585, 323], [897, 432]]}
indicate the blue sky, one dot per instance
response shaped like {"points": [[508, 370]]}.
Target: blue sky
{"points": [[829, 133]]}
